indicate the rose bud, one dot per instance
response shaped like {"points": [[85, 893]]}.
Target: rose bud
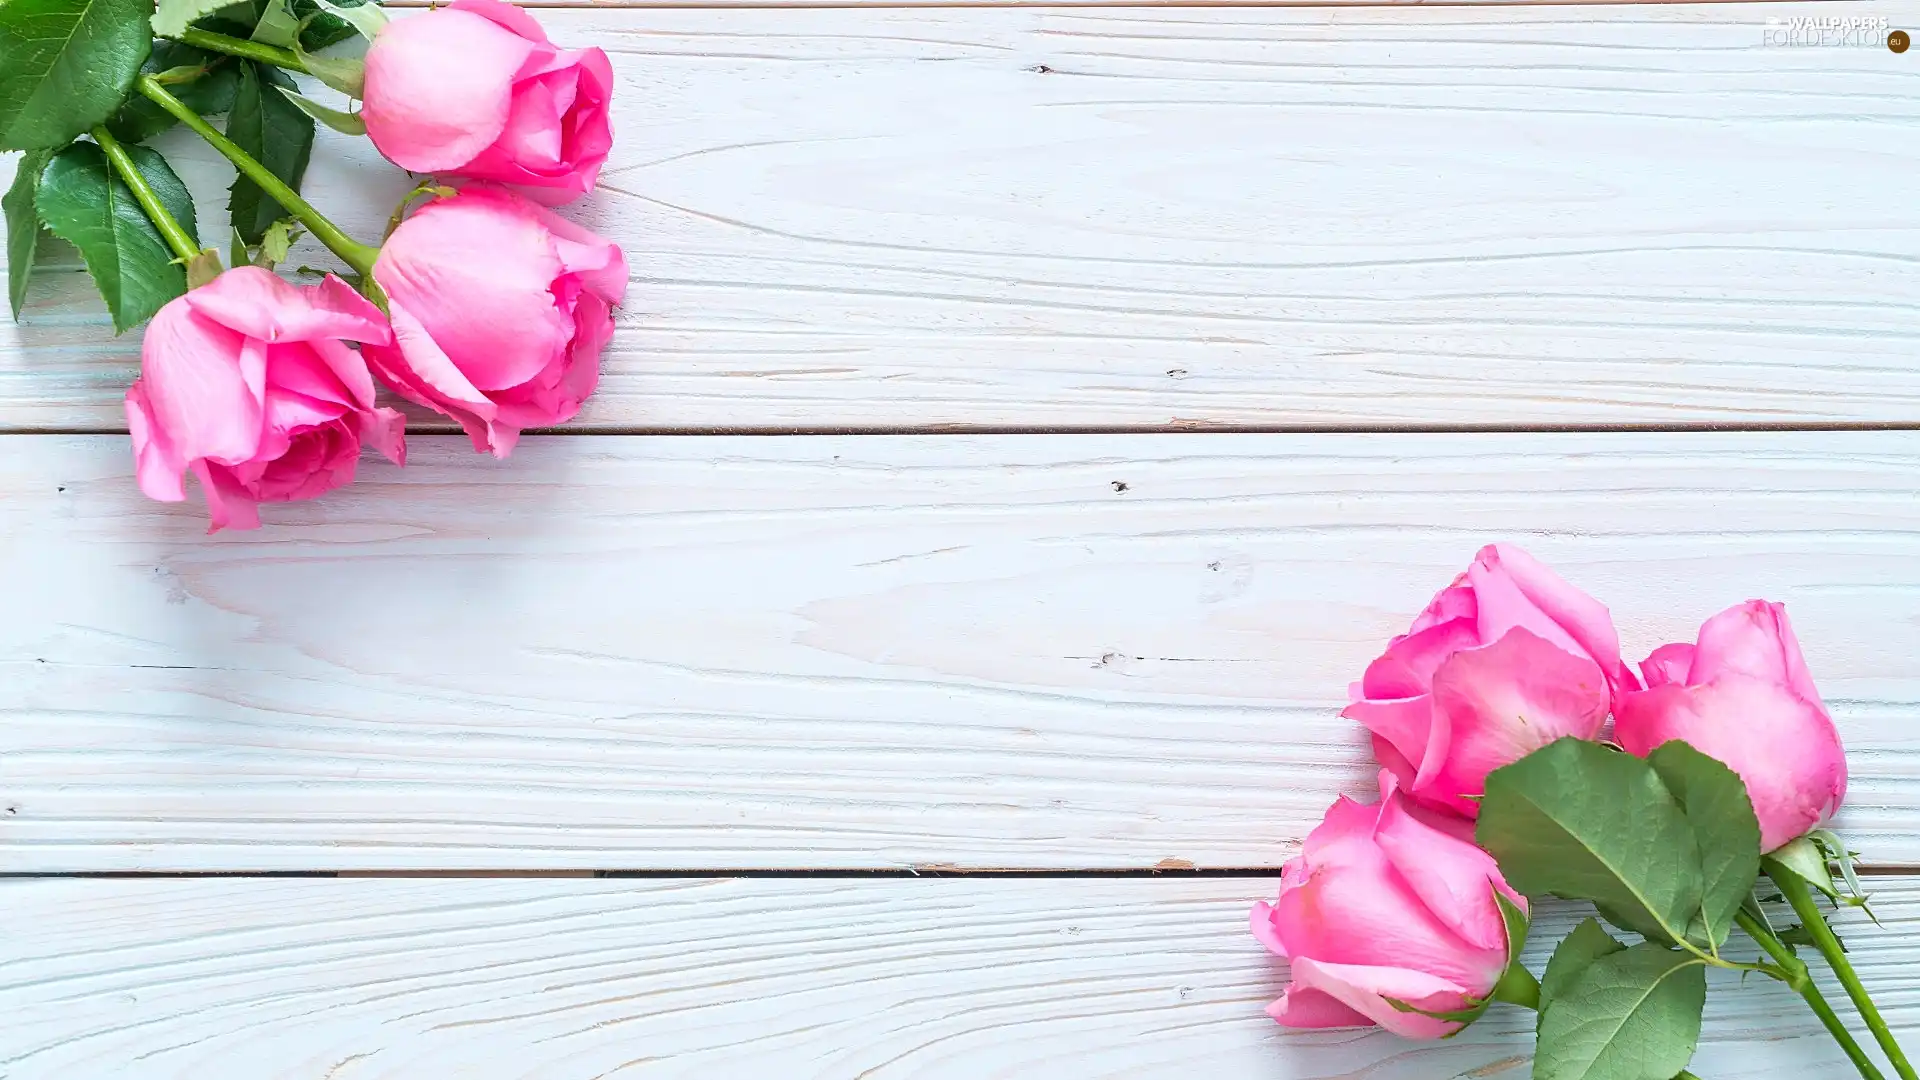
{"points": [[1502, 662], [475, 89], [1389, 901], [500, 309], [246, 382], [1742, 694]]}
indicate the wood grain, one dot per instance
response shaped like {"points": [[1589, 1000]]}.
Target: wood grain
{"points": [[669, 652], [583, 980], [1164, 218]]}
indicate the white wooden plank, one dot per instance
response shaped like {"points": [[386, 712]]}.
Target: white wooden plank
{"points": [[581, 980], [1193, 218], [672, 652]]}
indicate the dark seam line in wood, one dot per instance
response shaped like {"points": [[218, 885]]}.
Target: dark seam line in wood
{"points": [[1198, 428], [847, 874]]}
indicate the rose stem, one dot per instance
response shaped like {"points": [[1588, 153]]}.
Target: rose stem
{"points": [[1794, 888], [143, 193], [352, 252], [1803, 984], [247, 50]]}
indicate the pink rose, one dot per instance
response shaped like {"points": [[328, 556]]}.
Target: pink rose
{"points": [[1386, 901], [245, 381], [1742, 694], [1502, 662], [475, 89], [500, 309]]}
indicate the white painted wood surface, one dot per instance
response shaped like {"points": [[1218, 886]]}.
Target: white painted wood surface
{"points": [[1043, 652], [1178, 218], [941, 979], [869, 651]]}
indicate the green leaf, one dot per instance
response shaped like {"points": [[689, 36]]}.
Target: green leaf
{"points": [[209, 95], [65, 65], [83, 203], [1583, 822], [278, 242], [1838, 854], [172, 17], [345, 123], [1630, 1015], [168, 186], [1572, 957], [277, 25], [324, 24], [1796, 934], [319, 30], [1804, 859], [277, 134], [1715, 801], [23, 225]]}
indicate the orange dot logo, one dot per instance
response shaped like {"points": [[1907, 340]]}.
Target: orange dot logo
{"points": [[1898, 41]]}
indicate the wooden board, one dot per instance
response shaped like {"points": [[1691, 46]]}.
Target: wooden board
{"points": [[1170, 218], [583, 980], [1068, 651]]}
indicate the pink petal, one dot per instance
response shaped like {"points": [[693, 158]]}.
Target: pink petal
{"points": [[1650, 717], [386, 431], [158, 468], [228, 504], [1394, 763], [287, 414], [350, 368], [1365, 989], [1784, 747], [1501, 703], [1264, 930], [1515, 589], [302, 368], [532, 137], [198, 387], [1345, 823], [1454, 879], [1406, 669], [1753, 639], [506, 16], [415, 369], [439, 86], [1668, 664], [598, 263], [260, 304], [474, 271], [1456, 601], [1354, 908], [1303, 1007], [1406, 725]]}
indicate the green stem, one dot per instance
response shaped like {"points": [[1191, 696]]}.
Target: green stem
{"points": [[1803, 984], [1794, 888], [248, 50], [175, 236], [352, 252]]}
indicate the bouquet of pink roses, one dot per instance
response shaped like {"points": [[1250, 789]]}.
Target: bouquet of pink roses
{"points": [[479, 303], [1486, 717]]}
